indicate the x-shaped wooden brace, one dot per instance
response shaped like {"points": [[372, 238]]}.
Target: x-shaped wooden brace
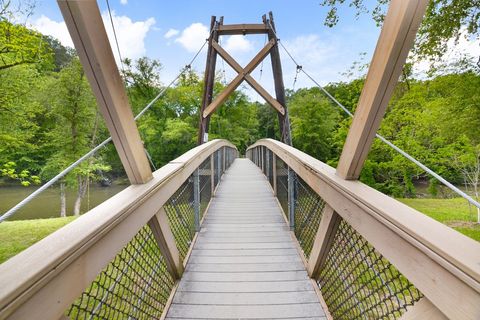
{"points": [[243, 74]]}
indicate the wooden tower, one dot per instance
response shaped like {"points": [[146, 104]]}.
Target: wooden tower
{"points": [[209, 105]]}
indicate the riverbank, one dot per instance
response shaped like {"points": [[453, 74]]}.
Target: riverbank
{"points": [[16, 236]]}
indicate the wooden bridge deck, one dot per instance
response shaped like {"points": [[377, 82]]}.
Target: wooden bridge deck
{"points": [[245, 264]]}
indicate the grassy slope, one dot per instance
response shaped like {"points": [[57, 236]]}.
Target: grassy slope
{"points": [[449, 212], [16, 236]]}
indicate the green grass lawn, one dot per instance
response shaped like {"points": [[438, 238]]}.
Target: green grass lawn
{"points": [[455, 213], [16, 236]]}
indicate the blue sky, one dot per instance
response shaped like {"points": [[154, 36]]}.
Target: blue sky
{"points": [[172, 30]]}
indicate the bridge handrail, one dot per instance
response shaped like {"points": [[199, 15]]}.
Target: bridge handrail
{"points": [[442, 263], [48, 276]]}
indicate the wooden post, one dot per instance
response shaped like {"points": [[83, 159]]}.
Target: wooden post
{"points": [[396, 39], [166, 242], [209, 80], [323, 241], [86, 28], [283, 119]]}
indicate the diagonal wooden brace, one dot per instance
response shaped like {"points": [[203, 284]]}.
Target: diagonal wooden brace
{"points": [[238, 79], [251, 81]]}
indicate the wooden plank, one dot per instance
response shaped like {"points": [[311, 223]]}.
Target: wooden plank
{"points": [[237, 286], [244, 252], [232, 29], [86, 28], [245, 267], [166, 242], [240, 312], [422, 249], [238, 79], [245, 298], [43, 280], [397, 37], [323, 240], [250, 80], [245, 259], [424, 310], [246, 276]]}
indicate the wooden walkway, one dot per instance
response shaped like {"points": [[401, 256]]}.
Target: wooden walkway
{"points": [[244, 264]]}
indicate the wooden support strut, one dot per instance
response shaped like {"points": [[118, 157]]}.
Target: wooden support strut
{"points": [[396, 39], [250, 80], [238, 79], [87, 30]]}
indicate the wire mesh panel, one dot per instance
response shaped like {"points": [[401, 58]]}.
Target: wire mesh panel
{"points": [[181, 216], [135, 285], [205, 185], [357, 282], [282, 185], [270, 167], [308, 212], [216, 167]]}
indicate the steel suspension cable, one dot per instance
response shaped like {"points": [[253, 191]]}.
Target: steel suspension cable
{"points": [[380, 137], [72, 166]]}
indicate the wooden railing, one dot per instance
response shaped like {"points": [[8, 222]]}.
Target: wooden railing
{"points": [[127, 251], [372, 256]]}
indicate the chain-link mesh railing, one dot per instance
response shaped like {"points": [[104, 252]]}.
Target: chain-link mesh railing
{"points": [[270, 165], [205, 184], [282, 185], [180, 209], [308, 212], [357, 282], [135, 285]]}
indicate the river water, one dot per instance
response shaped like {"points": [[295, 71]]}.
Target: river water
{"points": [[47, 204]]}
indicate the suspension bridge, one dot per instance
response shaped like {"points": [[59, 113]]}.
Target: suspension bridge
{"points": [[276, 234]]}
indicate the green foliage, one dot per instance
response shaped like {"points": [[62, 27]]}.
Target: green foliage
{"points": [[313, 122], [21, 45]]}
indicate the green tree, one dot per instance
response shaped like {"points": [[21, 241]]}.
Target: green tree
{"points": [[77, 125]]}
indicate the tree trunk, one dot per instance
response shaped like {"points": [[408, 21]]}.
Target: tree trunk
{"points": [[82, 187], [63, 200]]}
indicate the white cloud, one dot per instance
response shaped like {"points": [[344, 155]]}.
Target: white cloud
{"points": [[123, 2], [171, 33], [238, 43], [53, 28], [193, 36], [131, 34], [309, 49]]}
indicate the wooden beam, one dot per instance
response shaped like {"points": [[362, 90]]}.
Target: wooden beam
{"points": [[425, 310], [323, 241], [396, 39], [166, 242], [250, 80], [283, 119], [209, 80], [231, 29], [86, 28], [238, 79]]}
